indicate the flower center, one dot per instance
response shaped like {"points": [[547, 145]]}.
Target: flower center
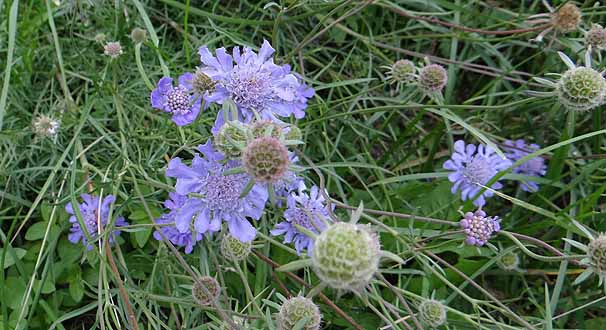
{"points": [[301, 218], [478, 170], [177, 100], [250, 90], [90, 220], [223, 191]]}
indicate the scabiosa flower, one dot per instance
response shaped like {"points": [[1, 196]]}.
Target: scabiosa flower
{"points": [[45, 126], [580, 88], [189, 238], [95, 214], [478, 227], [179, 101], [294, 310], [473, 167], [112, 49], [266, 159], [432, 78], [306, 210], [255, 83], [596, 37], [217, 196], [515, 150]]}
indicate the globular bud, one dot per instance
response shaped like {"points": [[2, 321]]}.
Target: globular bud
{"points": [[432, 313], [266, 128], [297, 308], [346, 256], [581, 89], [231, 139], [567, 18], [403, 71], [596, 253], [205, 290], [100, 37], [294, 133], [266, 159], [509, 261], [113, 49], [478, 227], [432, 78], [233, 249], [45, 126], [138, 35], [596, 37], [202, 83]]}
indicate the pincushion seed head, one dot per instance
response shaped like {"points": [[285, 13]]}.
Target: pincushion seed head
{"points": [[100, 37], [265, 159], [403, 71], [509, 261], [581, 89], [45, 126], [567, 18], [297, 308], [112, 49], [266, 128], [230, 139], [202, 83], [596, 37], [346, 256], [478, 227], [596, 253], [432, 313], [233, 249], [432, 78], [138, 35], [205, 297]]}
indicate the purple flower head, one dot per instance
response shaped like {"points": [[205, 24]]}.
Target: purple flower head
{"points": [[94, 213], [478, 227], [179, 101], [188, 238], [515, 150], [218, 196], [472, 167], [255, 83], [307, 211]]}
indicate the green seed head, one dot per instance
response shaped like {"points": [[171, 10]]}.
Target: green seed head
{"points": [[266, 128], [432, 78], [202, 296], [233, 249], [596, 252], [346, 256], [230, 139], [297, 308], [138, 35], [403, 71], [509, 261], [581, 89], [432, 313], [294, 133]]}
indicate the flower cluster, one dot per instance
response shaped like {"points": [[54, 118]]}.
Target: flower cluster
{"points": [[95, 216], [478, 227]]}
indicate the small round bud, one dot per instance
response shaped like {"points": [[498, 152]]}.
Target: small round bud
{"points": [[113, 49], [205, 290], [567, 18], [596, 37], [432, 78], [294, 133], [432, 313], [509, 261], [230, 139], [266, 128], [100, 37], [478, 227], [346, 256], [45, 126], [233, 249], [581, 89], [297, 308], [596, 253], [403, 71], [138, 35], [266, 159], [202, 83]]}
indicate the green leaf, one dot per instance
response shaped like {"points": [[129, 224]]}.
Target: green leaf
{"points": [[38, 229], [294, 265], [9, 261]]}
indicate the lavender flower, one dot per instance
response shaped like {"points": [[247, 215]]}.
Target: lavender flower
{"points": [[307, 211], [94, 213], [218, 196], [472, 167], [188, 238], [515, 150], [179, 101], [479, 227], [255, 83]]}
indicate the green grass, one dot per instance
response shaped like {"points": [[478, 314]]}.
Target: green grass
{"points": [[365, 141]]}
